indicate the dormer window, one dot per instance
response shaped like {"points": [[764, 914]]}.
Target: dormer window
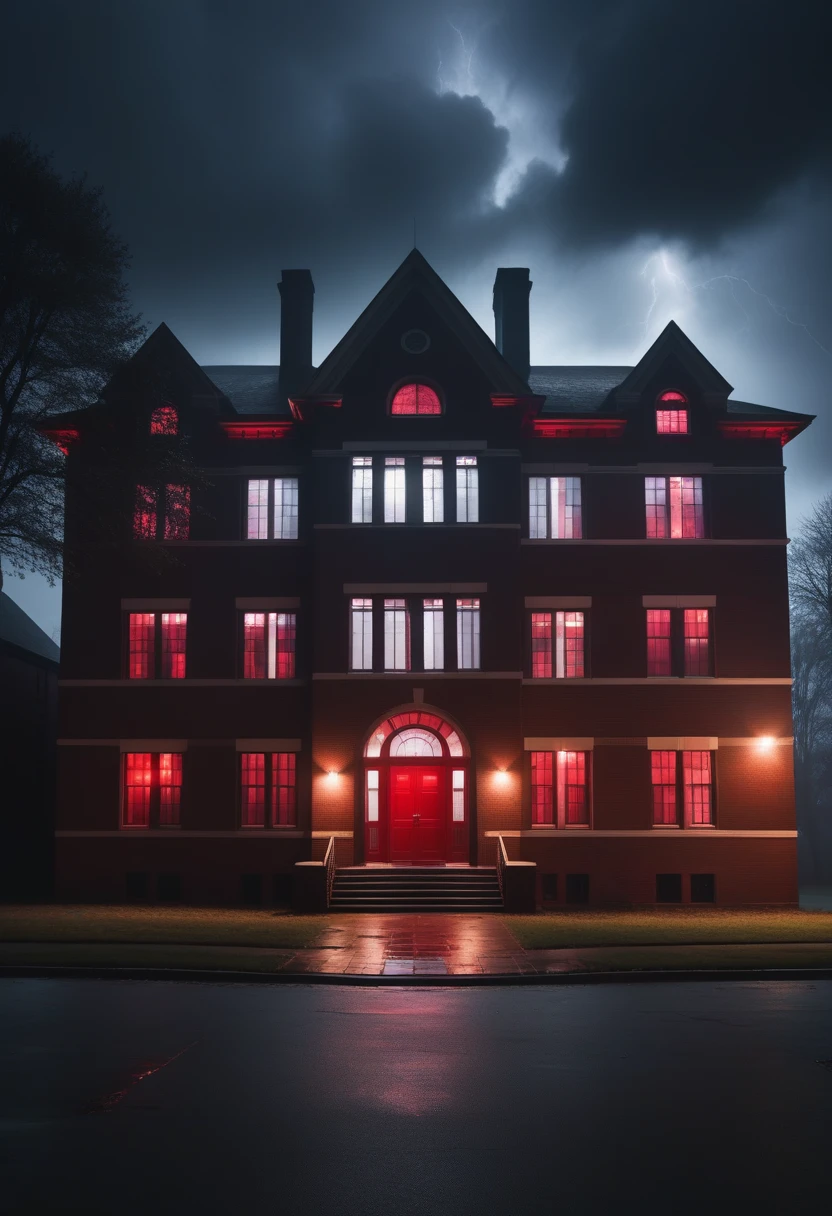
{"points": [[164, 421], [415, 399], [671, 414]]}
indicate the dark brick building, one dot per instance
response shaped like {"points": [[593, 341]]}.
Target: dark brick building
{"points": [[426, 596]]}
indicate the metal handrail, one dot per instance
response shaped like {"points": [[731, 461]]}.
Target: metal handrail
{"points": [[502, 862], [329, 863]]}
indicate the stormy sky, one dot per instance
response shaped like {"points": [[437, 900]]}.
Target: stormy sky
{"points": [[647, 159]]}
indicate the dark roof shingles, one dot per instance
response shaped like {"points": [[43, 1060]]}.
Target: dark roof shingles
{"points": [[568, 389]]}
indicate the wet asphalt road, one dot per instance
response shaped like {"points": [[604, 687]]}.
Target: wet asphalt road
{"points": [[154, 1098]]}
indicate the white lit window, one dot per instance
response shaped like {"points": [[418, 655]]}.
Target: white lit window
{"points": [[272, 509], [555, 508], [433, 505], [394, 492], [458, 787], [396, 636], [433, 618], [258, 510], [285, 508], [467, 490], [468, 635], [372, 795], [361, 635], [362, 489]]}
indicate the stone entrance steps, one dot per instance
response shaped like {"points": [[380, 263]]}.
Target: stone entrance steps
{"points": [[416, 889]]}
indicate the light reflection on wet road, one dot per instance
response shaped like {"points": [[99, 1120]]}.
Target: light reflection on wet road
{"points": [[677, 1098]]}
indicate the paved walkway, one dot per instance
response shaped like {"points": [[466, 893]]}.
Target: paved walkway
{"points": [[414, 944]]}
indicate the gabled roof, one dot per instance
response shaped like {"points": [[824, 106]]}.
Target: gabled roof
{"points": [[673, 342], [577, 389], [416, 274], [251, 388], [164, 347], [17, 629]]}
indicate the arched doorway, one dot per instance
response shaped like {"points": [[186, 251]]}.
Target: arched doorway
{"points": [[416, 782]]}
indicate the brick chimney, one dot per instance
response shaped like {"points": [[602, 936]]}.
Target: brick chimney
{"points": [[511, 316], [297, 295]]}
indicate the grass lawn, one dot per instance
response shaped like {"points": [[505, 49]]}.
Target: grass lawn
{"points": [[671, 926], [107, 926]]}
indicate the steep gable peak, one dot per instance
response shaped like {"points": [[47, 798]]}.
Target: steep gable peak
{"points": [[673, 347], [415, 274]]}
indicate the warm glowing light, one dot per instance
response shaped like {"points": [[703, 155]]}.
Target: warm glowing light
{"points": [[501, 777], [766, 743], [332, 776]]}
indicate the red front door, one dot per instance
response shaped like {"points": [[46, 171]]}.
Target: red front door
{"points": [[417, 813]]}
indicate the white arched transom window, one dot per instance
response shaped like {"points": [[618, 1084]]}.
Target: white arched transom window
{"points": [[415, 742]]}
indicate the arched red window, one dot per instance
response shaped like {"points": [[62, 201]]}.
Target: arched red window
{"points": [[164, 421], [672, 416], [415, 399]]}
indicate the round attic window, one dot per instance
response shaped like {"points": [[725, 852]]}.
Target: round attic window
{"points": [[415, 341]]}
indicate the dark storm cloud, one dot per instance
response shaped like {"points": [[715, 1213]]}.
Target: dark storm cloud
{"points": [[236, 137], [682, 120]]}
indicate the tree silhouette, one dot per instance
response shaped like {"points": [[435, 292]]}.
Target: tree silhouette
{"points": [[65, 326]]}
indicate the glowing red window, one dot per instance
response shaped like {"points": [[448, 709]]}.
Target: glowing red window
{"points": [[663, 774], [142, 646], [562, 802], [573, 804], [542, 645], [157, 655], [253, 776], [674, 507], [254, 646], [170, 788], [138, 779], [174, 636], [658, 642], [269, 645], [543, 806], [671, 422], [415, 399], [268, 789], [673, 395], [145, 513], [283, 789], [164, 421], [177, 512], [697, 650], [569, 645], [152, 789], [697, 781]]}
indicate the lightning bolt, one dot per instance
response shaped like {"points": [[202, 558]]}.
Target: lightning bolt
{"points": [[658, 264], [464, 83]]}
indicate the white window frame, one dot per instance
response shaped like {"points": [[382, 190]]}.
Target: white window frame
{"points": [[361, 634], [433, 634], [546, 495], [396, 635], [362, 490], [272, 508], [468, 655], [395, 490], [433, 490], [467, 490]]}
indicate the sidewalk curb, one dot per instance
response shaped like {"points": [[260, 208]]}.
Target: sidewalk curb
{"points": [[180, 974]]}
